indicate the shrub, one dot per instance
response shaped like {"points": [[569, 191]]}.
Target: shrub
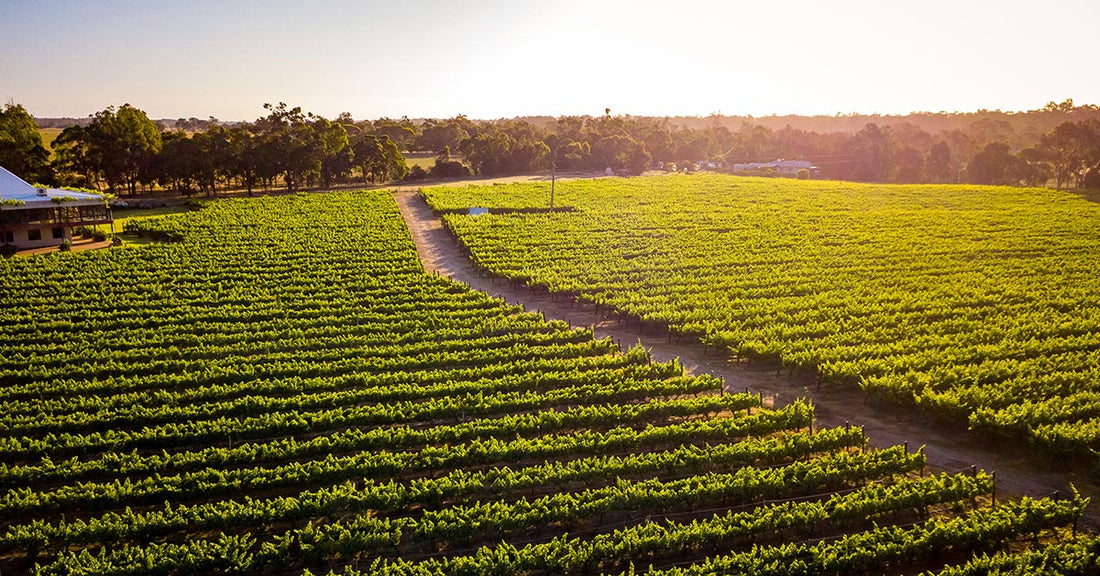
{"points": [[65, 245], [1091, 180], [99, 235], [802, 174], [116, 240], [417, 173], [8, 250], [450, 169]]}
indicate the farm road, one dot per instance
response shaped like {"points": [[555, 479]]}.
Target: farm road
{"points": [[947, 450]]}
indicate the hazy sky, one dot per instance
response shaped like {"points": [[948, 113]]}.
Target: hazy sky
{"points": [[492, 59]]}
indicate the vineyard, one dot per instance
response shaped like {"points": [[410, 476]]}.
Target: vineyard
{"points": [[282, 389], [980, 305]]}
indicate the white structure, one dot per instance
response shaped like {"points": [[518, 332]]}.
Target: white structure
{"points": [[784, 167], [33, 217]]}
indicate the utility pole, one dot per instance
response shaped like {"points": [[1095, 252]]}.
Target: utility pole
{"points": [[553, 177]]}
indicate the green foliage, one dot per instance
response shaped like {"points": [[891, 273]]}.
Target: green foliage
{"points": [[306, 150], [285, 388], [21, 149], [1079, 556], [416, 173], [379, 158], [494, 152], [121, 142], [446, 167], [979, 305]]}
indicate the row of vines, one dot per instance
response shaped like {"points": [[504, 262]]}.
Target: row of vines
{"points": [[980, 305], [283, 390]]}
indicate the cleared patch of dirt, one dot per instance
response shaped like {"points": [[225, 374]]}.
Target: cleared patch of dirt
{"points": [[543, 176]]}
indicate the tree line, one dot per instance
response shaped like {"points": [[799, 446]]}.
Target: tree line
{"points": [[122, 150]]}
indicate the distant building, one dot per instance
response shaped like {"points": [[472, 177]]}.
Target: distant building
{"points": [[33, 217], [784, 167]]}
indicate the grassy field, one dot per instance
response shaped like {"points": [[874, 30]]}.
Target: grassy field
{"points": [[122, 216], [423, 159], [981, 305], [48, 136]]}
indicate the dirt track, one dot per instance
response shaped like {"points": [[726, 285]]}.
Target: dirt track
{"points": [[947, 450]]}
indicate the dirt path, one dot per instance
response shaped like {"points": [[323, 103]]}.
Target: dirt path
{"points": [[947, 450]]}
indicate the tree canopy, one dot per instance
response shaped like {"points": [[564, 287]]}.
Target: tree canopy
{"points": [[122, 150], [21, 149]]}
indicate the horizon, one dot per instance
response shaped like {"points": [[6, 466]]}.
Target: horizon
{"points": [[490, 59], [693, 116]]}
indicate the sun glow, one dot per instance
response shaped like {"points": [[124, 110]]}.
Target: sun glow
{"points": [[492, 59]]}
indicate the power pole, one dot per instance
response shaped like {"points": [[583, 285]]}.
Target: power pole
{"points": [[553, 177]]}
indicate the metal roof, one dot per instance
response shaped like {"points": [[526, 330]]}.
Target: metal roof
{"points": [[13, 187]]}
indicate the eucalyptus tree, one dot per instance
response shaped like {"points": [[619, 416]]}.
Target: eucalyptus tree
{"points": [[122, 144], [378, 158], [21, 149]]}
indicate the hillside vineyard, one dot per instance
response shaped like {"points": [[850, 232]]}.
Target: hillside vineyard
{"points": [[980, 305], [284, 390]]}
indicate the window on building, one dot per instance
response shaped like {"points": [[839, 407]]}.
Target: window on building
{"points": [[58, 233], [34, 235], [7, 237]]}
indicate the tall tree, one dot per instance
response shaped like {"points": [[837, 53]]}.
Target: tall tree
{"points": [[378, 158], [175, 165], [402, 132], [489, 153], [291, 144], [437, 135], [246, 156], [620, 153], [871, 154], [908, 165], [995, 164], [335, 150], [21, 149], [123, 144], [74, 162], [939, 163], [1071, 150], [209, 146]]}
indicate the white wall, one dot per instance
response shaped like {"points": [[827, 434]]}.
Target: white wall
{"points": [[47, 238]]}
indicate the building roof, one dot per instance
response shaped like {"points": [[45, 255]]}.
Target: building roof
{"points": [[13, 187], [775, 164]]}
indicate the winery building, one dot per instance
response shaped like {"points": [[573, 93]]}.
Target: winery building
{"points": [[33, 217]]}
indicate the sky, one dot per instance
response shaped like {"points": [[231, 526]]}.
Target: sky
{"points": [[500, 59]]}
